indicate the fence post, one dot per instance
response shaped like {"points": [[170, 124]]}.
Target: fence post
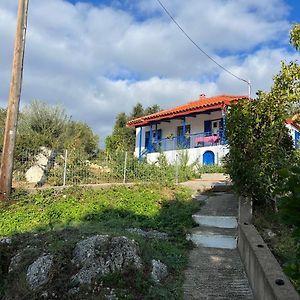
{"points": [[125, 167], [177, 169], [65, 167]]}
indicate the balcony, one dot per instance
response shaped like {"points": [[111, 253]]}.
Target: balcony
{"points": [[194, 140]]}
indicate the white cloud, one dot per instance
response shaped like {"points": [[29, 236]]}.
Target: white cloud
{"points": [[98, 61]]}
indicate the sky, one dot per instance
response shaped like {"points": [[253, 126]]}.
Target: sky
{"points": [[98, 58]]}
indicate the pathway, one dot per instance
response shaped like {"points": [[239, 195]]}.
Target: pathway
{"points": [[215, 270]]}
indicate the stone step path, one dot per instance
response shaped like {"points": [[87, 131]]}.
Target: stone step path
{"points": [[215, 270], [214, 237]]}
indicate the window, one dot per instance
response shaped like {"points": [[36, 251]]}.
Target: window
{"points": [[183, 141]]}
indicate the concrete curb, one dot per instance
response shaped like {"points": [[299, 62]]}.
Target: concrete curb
{"points": [[265, 275]]}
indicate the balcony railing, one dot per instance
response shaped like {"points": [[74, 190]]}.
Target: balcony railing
{"points": [[194, 140]]}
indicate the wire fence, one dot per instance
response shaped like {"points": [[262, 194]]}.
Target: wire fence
{"points": [[44, 167]]}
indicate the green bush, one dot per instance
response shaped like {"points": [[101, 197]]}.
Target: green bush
{"points": [[289, 208]]}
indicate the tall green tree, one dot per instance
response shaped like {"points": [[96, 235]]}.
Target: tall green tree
{"points": [[123, 138], [259, 141], [41, 124]]}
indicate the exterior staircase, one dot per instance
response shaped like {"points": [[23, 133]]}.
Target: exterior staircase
{"points": [[215, 270], [217, 222]]}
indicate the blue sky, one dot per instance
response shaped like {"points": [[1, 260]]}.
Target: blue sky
{"points": [[98, 58]]}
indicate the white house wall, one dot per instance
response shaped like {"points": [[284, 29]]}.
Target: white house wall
{"points": [[194, 154], [292, 129]]}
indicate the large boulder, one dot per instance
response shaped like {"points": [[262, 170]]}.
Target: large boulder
{"points": [[35, 174], [42, 163], [38, 272], [100, 255]]}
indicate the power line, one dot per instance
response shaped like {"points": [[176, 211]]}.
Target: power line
{"points": [[198, 47]]}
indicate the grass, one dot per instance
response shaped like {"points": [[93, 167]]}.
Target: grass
{"points": [[53, 221], [282, 243]]}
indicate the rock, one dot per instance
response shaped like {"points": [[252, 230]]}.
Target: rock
{"points": [[159, 271], [5, 241], [110, 294], [44, 295], [15, 262], [43, 161], [151, 234], [270, 233], [102, 255], [73, 291], [35, 174], [38, 272]]}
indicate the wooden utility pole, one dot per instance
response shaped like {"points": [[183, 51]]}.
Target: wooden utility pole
{"points": [[13, 102]]}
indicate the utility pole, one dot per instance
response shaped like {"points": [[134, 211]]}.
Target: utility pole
{"points": [[13, 102]]}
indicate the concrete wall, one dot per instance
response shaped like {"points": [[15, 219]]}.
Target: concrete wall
{"points": [[267, 280]]}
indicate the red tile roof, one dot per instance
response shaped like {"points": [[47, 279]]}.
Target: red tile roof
{"points": [[199, 105], [294, 122]]}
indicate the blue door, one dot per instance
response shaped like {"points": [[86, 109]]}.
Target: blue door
{"points": [[208, 158]]}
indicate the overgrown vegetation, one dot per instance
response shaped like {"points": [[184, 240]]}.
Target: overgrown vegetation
{"points": [[289, 208], [53, 221], [43, 125], [259, 142], [262, 160]]}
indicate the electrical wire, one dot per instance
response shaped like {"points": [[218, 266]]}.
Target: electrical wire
{"points": [[198, 47]]}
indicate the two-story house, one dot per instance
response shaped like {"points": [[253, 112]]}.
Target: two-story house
{"points": [[196, 127]]}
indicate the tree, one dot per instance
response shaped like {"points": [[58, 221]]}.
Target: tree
{"points": [[43, 124], [123, 138], [81, 137], [259, 141], [295, 36]]}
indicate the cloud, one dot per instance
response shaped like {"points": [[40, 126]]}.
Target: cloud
{"points": [[99, 60]]}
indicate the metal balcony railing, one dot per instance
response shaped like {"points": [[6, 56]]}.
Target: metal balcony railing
{"points": [[188, 141]]}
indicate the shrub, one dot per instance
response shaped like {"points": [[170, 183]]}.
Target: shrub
{"points": [[289, 209]]}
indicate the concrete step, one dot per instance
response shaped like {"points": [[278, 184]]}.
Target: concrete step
{"points": [[220, 204], [216, 221], [212, 237]]}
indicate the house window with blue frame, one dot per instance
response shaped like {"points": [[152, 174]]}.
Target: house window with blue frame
{"points": [[150, 145], [183, 141]]}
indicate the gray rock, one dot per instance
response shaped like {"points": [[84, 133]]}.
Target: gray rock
{"points": [[5, 241], [43, 162], [159, 271], [74, 291], [35, 174], [151, 234], [102, 255], [15, 262], [270, 233], [44, 295], [110, 294], [38, 272]]}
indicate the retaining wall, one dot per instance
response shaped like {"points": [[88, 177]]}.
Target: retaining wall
{"points": [[265, 275]]}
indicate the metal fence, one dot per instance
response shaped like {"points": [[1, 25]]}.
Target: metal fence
{"points": [[44, 167]]}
